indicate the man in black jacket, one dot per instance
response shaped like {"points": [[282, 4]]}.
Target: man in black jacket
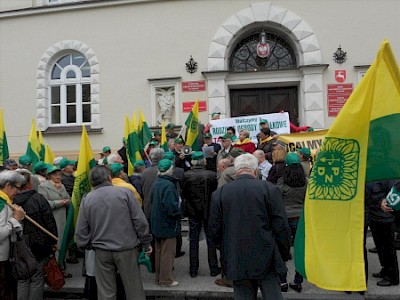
{"points": [[248, 222], [197, 187]]}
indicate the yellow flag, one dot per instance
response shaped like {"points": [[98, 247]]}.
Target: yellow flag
{"points": [[361, 146], [48, 155]]}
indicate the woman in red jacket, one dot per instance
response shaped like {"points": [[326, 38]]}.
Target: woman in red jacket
{"points": [[244, 142]]}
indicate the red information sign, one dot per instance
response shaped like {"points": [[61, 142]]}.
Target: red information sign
{"points": [[187, 106], [193, 86], [337, 97]]}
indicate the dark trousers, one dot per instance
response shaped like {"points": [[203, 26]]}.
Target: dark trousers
{"points": [[194, 233], [8, 285], [247, 289], [383, 235]]}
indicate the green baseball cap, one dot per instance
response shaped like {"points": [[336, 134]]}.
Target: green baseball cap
{"points": [[25, 160], [157, 132], [153, 143], [197, 155], [305, 151], [51, 169], [164, 165], [38, 166], [65, 162], [235, 152], [179, 141], [292, 158], [263, 121], [139, 163], [169, 126], [169, 155], [106, 149], [215, 114], [115, 168], [226, 136], [207, 136]]}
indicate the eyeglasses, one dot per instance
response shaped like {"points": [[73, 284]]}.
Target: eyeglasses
{"points": [[16, 186]]}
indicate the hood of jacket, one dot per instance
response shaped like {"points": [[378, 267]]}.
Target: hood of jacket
{"points": [[23, 196]]}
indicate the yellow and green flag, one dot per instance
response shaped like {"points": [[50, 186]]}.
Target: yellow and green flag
{"points": [[192, 124], [361, 146], [49, 155], [127, 128], [4, 153], [41, 146], [133, 143], [164, 141], [33, 144], [81, 186], [144, 130]]}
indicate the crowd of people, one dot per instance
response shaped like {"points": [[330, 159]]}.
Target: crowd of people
{"points": [[246, 197]]}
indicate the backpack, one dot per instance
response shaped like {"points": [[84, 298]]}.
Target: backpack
{"points": [[23, 262]]}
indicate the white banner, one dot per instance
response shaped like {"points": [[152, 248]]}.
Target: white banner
{"points": [[278, 122]]}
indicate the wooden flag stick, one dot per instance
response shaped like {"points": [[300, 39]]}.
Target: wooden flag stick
{"points": [[36, 224]]}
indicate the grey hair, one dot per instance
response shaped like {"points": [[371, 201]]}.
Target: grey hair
{"points": [[246, 132], [200, 162], [246, 161], [99, 175], [259, 154], [12, 178], [169, 172], [156, 154]]}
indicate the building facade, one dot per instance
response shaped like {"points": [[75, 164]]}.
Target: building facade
{"points": [[67, 63]]}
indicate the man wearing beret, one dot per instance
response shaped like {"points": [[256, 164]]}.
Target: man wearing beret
{"points": [[197, 187], [165, 222], [112, 223]]}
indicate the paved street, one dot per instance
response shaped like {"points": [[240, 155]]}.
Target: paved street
{"points": [[203, 286]]}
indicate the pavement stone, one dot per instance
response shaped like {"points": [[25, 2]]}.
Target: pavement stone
{"points": [[203, 286]]}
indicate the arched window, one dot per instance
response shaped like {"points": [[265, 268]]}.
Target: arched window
{"points": [[244, 57], [69, 88]]}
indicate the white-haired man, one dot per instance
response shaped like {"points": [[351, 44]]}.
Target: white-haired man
{"points": [[263, 165], [253, 208]]}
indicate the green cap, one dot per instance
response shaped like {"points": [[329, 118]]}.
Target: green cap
{"points": [[207, 135], [226, 136], [164, 165], [305, 151], [169, 155], [143, 259], [153, 143], [106, 149], [115, 168], [25, 160], [197, 155], [38, 166], [138, 164], [157, 132], [169, 126], [179, 141], [51, 169], [73, 162], [263, 121], [215, 114], [65, 162], [292, 158], [235, 152], [393, 198]]}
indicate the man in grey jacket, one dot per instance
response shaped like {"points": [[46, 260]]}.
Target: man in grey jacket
{"points": [[111, 222]]}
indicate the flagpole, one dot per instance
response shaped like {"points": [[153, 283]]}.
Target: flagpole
{"points": [[36, 224]]}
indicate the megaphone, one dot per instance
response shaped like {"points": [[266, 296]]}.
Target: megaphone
{"points": [[186, 150]]}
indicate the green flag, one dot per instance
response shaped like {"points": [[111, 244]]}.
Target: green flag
{"points": [[81, 186], [33, 144], [144, 130], [4, 154], [192, 124]]}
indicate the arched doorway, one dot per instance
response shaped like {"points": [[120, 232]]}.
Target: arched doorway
{"points": [[306, 76]]}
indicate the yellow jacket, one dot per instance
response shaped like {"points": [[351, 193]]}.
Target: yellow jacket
{"points": [[122, 183]]}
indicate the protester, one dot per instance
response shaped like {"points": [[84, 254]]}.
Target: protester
{"points": [[263, 165], [25, 162], [232, 132], [381, 222], [211, 157], [40, 171], [305, 157], [120, 179], [67, 174], [165, 222], [264, 124], [112, 223], [278, 166], [10, 164], [182, 160], [255, 256], [134, 179], [40, 243], [226, 142], [106, 152], [265, 143], [122, 152], [293, 186], [10, 223], [229, 174], [197, 187], [171, 134], [56, 194], [244, 142]]}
